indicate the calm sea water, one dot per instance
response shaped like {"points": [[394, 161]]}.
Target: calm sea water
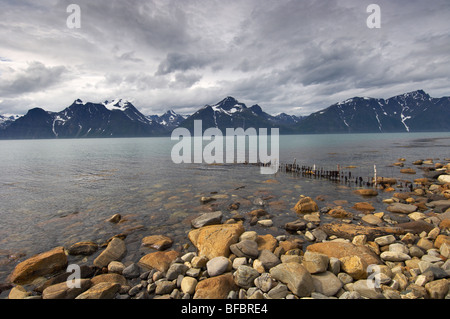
{"points": [[58, 192]]}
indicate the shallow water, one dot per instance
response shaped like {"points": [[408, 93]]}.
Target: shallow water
{"points": [[58, 192]]}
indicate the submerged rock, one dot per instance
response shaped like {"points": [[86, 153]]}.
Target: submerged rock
{"points": [[42, 264]]}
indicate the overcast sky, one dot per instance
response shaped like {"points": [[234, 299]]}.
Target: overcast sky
{"points": [[294, 56]]}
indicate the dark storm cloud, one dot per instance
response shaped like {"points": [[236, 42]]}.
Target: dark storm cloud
{"points": [[288, 55]]}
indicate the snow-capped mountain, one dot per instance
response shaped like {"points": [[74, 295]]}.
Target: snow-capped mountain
{"points": [[170, 119], [410, 112], [7, 119], [118, 118], [230, 113]]}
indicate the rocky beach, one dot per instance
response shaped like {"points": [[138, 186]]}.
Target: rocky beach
{"points": [[337, 250]]}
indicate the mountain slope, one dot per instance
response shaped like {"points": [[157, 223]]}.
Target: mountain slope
{"points": [[410, 112], [230, 113], [116, 119]]}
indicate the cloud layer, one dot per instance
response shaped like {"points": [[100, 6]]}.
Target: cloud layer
{"points": [[288, 56]]}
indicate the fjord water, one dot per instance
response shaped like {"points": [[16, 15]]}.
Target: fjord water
{"points": [[58, 192]]}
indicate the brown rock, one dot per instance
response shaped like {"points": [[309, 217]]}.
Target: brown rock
{"points": [[364, 206], [257, 212], [306, 205], [110, 277], [115, 218], [267, 242], [85, 248], [355, 266], [103, 290], [407, 171], [215, 240], [39, 265], [349, 231], [416, 227], [340, 213], [159, 260], [158, 242], [63, 291], [215, 287], [366, 192], [441, 239], [18, 292], [445, 224], [341, 250], [115, 250]]}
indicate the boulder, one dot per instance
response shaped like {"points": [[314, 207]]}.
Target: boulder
{"points": [[39, 265], [295, 276], [306, 205], [342, 249], [115, 250], [215, 287], [215, 240], [159, 260]]}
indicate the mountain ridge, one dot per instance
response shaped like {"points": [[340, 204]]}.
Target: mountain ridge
{"points": [[414, 111]]}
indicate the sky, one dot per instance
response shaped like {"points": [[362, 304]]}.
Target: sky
{"points": [[292, 56]]}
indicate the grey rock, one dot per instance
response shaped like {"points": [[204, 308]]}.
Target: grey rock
{"points": [[265, 282], [369, 291], [164, 287], [385, 240], [326, 283], [175, 270], [245, 276], [207, 219], [131, 271], [394, 256], [295, 276], [278, 292], [315, 262], [401, 208], [268, 259], [245, 248], [217, 266]]}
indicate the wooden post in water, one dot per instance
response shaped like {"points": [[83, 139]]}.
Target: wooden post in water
{"points": [[375, 175]]}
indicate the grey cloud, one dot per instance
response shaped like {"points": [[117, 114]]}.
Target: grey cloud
{"points": [[181, 62], [35, 77]]}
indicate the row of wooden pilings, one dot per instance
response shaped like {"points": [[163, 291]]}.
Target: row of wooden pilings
{"points": [[338, 175]]}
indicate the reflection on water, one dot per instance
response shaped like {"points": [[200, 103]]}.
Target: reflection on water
{"points": [[58, 192]]}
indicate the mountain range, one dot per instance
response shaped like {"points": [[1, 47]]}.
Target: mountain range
{"points": [[410, 112]]}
